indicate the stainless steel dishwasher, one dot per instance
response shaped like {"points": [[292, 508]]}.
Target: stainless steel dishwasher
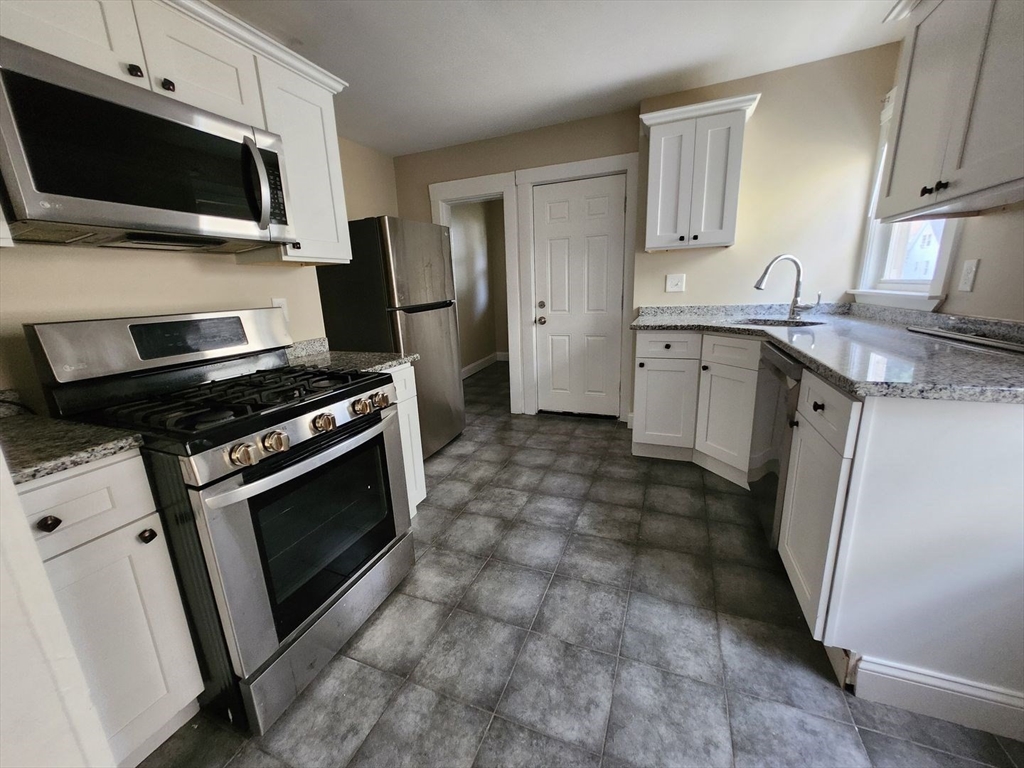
{"points": [[778, 380]]}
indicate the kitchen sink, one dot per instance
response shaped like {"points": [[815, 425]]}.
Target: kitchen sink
{"points": [[777, 321]]}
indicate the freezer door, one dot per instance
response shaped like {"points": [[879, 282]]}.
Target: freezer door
{"points": [[418, 262], [434, 335]]}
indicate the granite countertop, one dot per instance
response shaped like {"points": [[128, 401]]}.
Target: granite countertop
{"points": [[368, 362], [867, 357], [36, 446]]}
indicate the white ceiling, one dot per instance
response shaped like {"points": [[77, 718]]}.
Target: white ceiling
{"points": [[433, 73]]}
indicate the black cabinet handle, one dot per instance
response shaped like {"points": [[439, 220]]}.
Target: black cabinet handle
{"points": [[135, 70], [794, 423], [703, 367], [167, 84], [925, 191], [641, 365], [694, 237], [818, 406], [683, 238], [941, 185], [668, 346], [297, 246], [147, 536], [49, 524]]}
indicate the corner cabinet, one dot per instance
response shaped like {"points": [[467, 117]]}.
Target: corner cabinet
{"points": [[694, 173], [956, 143]]}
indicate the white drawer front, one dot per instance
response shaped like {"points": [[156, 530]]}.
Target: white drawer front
{"points": [[834, 414], [405, 382], [731, 350], [89, 502], [677, 345]]}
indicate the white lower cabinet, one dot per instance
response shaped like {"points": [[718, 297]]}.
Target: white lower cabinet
{"points": [[665, 405], [811, 519], [725, 413]]}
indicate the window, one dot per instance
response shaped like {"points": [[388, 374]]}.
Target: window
{"points": [[904, 264]]}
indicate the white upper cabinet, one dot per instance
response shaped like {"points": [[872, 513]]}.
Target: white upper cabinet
{"points": [[694, 173], [302, 113], [98, 34], [956, 143], [193, 63]]}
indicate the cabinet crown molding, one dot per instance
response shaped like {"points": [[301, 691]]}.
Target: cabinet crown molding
{"points": [[258, 41], [745, 103]]}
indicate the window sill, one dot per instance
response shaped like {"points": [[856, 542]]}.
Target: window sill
{"points": [[902, 299]]}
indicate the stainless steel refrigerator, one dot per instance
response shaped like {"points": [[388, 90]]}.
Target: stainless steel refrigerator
{"points": [[398, 295]]}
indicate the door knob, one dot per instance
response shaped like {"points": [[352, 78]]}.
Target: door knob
{"points": [[541, 304], [542, 321]]}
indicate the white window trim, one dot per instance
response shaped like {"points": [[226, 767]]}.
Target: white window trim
{"points": [[908, 294]]}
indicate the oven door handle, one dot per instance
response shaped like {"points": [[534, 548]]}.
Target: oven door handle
{"points": [[262, 485]]}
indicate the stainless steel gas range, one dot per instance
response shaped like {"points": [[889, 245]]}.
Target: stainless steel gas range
{"points": [[282, 487]]}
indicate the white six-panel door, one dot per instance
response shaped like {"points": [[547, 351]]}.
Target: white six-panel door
{"points": [[578, 254]]}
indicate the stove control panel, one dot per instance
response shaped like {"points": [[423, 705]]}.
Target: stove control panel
{"points": [[276, 441], [243, 455], [324, 422]]}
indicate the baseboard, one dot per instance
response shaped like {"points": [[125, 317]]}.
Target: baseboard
{"points": [[501, 357], [986, 707], [629, 420], [479, 365], [662, 452]]}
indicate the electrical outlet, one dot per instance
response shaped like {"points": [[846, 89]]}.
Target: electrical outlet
{"points": [[283, 304], [970, 271], [675, 283]]}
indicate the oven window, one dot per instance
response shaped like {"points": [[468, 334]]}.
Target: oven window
{"points": [[316, 531]]}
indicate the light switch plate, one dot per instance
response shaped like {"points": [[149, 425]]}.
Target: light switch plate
{"points": [[968, 274], [675, 283]]}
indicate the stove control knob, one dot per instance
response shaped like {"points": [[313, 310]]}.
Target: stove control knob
{"points": [[362, 406], [243, 455], [380, 400], [276, 441], [324, 422]]}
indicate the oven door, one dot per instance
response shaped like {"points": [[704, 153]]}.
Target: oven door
{"points": [[283, 546]]}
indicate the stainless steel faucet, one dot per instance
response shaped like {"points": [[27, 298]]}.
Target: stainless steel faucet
{"points": [[795, 307]]}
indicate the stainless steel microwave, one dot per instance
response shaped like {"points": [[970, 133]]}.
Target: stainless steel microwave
{"points": [[90, 160]]}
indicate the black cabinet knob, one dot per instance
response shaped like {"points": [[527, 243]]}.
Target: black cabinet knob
{"points": [[941, 185], [641, 365], [682, 237], [167, 85], [818, 406], [297, 246], [668, 346], [49, 524], [147, 536], [925, 191], [703, 367], [135, 70], [694, 237], [794, 423]]}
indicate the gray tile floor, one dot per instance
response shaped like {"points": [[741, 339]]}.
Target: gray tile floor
{"points": [[572, 605]]}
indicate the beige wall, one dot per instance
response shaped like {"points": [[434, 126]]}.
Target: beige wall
{"points": [[600, 136], [494, 217], [808, 154], [472, 282], [997, 240], [369, 178]]}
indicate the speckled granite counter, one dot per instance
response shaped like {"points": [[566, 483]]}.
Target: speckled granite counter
{"points": [[865, 357], [314, 352], [35, 446]]}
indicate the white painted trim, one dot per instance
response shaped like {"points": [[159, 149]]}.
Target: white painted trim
{"points": [[502, 357], [902, 299], [705, 109], [257, 41], [526, 180], [498, 186], [479, 365], [987, 707]]}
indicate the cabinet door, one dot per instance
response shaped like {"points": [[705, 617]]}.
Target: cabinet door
{"points": [[665, 401], [412, 451], [303, 114], [98, 34], [811, 518], [669, 184], [725, 413], [207, 70], [938, 67], [718, 149], [986, 141], [120, 601]]}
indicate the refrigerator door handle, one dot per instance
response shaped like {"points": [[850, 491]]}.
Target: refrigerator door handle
{"points": [[424, 307]]}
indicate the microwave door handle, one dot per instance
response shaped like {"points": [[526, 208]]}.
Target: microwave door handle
{"points": [[261, 171], [290, 473]]}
